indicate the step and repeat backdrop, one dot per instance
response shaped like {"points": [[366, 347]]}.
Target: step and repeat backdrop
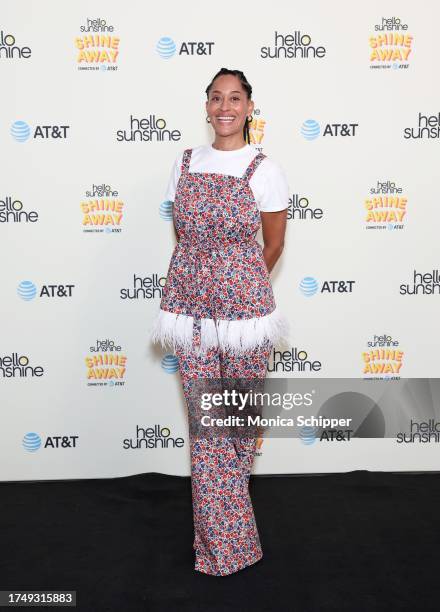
{"points": [[98, 99]]}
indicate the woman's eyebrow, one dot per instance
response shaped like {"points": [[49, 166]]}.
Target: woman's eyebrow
{"points": [[217, 91]]}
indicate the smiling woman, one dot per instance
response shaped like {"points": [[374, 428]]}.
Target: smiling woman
{"points": [[218, 310], [239, 105]]}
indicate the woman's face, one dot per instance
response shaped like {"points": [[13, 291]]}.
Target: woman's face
{"points": [[228, 106]]}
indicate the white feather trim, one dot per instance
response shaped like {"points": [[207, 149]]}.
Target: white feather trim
{"points": [[236, 336], [170, 329]]}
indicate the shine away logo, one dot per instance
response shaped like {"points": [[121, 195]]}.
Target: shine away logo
{"points": [[106, 365], [385, 207], [256, 129], [102, 210], [390, 45], [97, 47], [383, 358]]}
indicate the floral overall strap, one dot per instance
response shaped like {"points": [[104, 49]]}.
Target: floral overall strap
{"points": [[253, 166], [186, 159], [197, 323]]}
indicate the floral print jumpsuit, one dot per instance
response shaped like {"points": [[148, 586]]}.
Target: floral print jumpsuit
{"points": [[219, 314]]}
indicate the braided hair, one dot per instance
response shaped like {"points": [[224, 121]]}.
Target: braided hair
{"points": [[246, 86]]}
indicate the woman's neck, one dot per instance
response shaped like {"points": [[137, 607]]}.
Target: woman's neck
{"points": [[227, 144]]}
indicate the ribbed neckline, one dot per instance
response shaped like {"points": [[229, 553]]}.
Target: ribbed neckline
{"points": [[229, 153]]}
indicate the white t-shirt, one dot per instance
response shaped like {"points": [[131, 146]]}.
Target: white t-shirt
{"points": [[268, 182]]}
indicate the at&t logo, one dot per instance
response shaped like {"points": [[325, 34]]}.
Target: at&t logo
{"points": [[309, 286], [310, 129], [170, 364], [32, 442], [21, 131], [166, 48], [27, 290], [307, 434], [166, 210]]}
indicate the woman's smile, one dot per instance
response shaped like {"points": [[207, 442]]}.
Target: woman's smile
{"points": [[225, 118]]}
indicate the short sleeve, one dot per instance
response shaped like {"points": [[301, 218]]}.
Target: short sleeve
{"points": [[275, 188], [174, 178]]}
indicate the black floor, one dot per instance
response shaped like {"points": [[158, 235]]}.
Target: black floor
{"points": [[360, 541]]}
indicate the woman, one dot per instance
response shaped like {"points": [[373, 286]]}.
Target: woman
{"points": [[218, 310]]}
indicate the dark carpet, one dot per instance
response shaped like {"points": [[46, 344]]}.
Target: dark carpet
{"points": [[360, 541]]}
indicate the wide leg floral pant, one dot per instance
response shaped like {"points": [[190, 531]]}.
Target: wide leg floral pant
{"points": [[226, 537]]}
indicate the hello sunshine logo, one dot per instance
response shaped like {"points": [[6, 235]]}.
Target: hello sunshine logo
{"points": [[97, 47], [383, 358], [102, 210], [391, 45], [106, 365], [385, 207]]}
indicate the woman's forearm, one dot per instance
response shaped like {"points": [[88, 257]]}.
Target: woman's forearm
{"points": [[271, 256]]}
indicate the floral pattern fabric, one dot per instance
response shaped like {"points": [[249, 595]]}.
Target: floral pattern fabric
{"points": [[217, 269], [217, 272], [226, 537]]}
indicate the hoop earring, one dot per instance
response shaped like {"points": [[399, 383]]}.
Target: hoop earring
{"points": [[207, 119]]}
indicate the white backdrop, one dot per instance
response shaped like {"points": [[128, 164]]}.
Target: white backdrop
{"points": [[82, 284]]}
